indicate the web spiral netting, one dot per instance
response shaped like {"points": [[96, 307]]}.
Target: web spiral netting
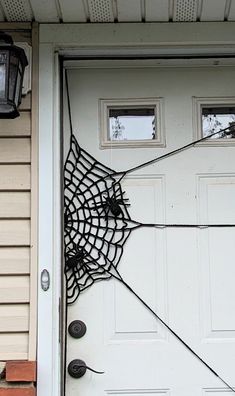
{"points": [[96, 221]]}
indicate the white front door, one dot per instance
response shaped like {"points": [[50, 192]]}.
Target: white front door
{"points": [[185, 274]]}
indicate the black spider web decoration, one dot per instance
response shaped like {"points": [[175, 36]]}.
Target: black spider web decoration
{"points": [[97, 224], [96, 221]]}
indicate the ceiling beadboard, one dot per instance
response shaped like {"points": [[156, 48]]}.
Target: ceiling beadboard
{"points": [[185, 10], [108, 11], [39, 7], [129, 11], [73, 11], [231, 13], [101, 11], [17, 10], [218, 7], [156, 11]]}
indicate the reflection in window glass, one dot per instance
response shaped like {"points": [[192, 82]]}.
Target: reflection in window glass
{"points": [[132, 123], [3, 59], [216, 118]]}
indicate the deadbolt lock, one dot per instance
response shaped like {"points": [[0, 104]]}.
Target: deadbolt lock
{"points": [[77, 329]]}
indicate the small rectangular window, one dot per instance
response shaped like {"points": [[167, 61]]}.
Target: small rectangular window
{"points": [[213, 115], [216, 118], [131, 123]]}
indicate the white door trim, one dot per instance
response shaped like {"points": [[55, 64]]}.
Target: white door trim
{"points": [[48, 356], [97, 39]]}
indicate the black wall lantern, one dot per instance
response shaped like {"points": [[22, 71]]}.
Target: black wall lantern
{"points": [[12, 65]]}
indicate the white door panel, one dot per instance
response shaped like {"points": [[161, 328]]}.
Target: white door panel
{"points": [[186, 275]]}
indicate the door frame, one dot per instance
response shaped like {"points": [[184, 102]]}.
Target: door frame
{"points": [[88, 40]]}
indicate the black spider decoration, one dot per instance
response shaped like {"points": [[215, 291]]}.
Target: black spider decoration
{"points": [[75, 258], [113, 204]]}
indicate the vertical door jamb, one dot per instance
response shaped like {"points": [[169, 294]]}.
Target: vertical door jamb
{"points": [[49, 252]]}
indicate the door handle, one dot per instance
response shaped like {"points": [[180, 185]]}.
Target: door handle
{"points": [[77, 368]]}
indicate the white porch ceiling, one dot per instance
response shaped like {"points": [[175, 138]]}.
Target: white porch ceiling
{"points": [[98, 11]]}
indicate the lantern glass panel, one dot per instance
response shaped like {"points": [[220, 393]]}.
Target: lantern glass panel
{"points": [[18, 86], [13, 76], [3, 60]]}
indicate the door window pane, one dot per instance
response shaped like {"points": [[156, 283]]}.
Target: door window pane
{"points": [[132, 123], [215, 118]]}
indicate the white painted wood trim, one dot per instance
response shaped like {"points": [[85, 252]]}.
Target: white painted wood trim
{"points": [[34, 200], [49, 223], [147, 62], [184, 37], [57, 240]]}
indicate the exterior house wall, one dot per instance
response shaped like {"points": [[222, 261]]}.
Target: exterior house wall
{"points": [[18, 235]]}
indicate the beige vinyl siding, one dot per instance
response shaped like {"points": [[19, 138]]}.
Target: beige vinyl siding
{"points": [[14, 232], [18, 231], [14, 289], [14, 177], [15, 213], [14, 345], [15, 150], [16, 128], [14, 317], [15, 204], [14, 260]]}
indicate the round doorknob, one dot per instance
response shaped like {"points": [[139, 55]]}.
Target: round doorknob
{"points": [[77, 368], [77, 329]]}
